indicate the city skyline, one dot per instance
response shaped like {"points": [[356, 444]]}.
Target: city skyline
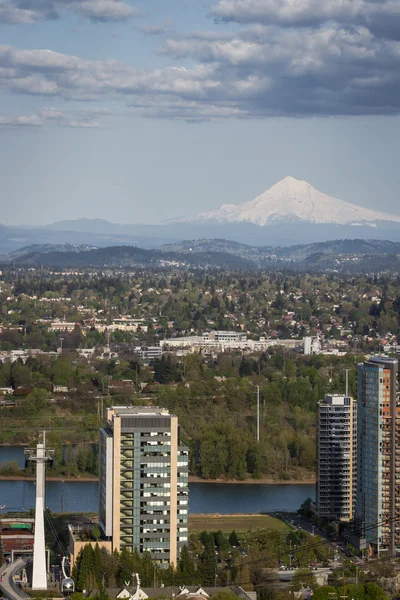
{"points": [[146, 111]]}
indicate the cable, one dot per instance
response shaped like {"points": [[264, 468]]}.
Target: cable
{"points": [[315, 545], [53, 530]]}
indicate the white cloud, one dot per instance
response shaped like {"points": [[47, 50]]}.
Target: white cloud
{"points": [[31, 11], [106, 10], [257, 71], [380, 16], [52, 117]]}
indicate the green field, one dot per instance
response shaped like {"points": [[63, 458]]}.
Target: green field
{"points": [[241, 523]]}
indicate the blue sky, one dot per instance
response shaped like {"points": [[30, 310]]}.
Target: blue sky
{"points": [[139, 111]]}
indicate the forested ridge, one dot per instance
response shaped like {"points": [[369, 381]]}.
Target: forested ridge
{"points": [[215, 400]]}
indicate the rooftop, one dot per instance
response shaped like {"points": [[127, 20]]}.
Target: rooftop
{"points": [[138, 410]]}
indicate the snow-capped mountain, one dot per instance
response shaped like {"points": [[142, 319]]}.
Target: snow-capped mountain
{"points": [[294, 200]]}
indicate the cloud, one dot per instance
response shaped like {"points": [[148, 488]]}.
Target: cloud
{"points": [[255, 72], [52, 117], [285, 57], [106, 10], [16, 12], [153, 29], [379, 16], [286, 71], [45, 72]]}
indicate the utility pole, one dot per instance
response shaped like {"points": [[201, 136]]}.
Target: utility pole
{"points": [[61, 344], [40, 456], [258, 413], [347, 382]]}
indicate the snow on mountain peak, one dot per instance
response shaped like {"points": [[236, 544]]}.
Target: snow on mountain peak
{"points": [[291, 199]]}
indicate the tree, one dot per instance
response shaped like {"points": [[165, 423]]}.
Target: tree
{"points": [[304, 578], [186, 571], [84, 569], [254, 461], [77, 596], [220, 541], [163, 370], [245, 368], [325, 592], [207, 566], [225, 595], [372, 591], [233, 539]]}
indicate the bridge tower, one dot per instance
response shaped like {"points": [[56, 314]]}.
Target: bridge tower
{"points": [[40, 456]]}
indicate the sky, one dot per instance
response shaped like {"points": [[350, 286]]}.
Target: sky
{"points": [[137, 111]]}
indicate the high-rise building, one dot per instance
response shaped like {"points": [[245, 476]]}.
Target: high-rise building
{"points": [[336, 457], [378, 446], [144, 482]]}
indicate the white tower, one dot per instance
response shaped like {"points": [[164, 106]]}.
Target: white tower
{"points": [[307, 341], [40, 457]]}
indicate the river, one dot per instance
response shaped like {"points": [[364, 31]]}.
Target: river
{"points": [[82, 496]]}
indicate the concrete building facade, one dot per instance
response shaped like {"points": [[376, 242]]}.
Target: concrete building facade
{"points": [[144, 482], [336, 457], [378, 485]]}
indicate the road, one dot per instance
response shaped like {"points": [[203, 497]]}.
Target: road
{"points": [[298, 521], [288, 575], [339, 548], [8, 587]]}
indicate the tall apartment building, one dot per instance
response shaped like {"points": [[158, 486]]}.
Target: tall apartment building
{"points": [[144, 482], [336, 457], [378, 480]]}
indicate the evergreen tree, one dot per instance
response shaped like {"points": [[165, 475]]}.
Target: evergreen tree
{"points": [[207, 567], [84, 569], [147, 570], [233, 539], [98, 565], [245, 368], [220, 541], [186, 571]]}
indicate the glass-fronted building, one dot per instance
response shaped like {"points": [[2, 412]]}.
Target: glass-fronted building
{"points": [[378, 478], [144, 482], [336, 457]]}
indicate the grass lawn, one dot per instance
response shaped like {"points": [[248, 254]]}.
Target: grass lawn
{"points": [[241, 523]]}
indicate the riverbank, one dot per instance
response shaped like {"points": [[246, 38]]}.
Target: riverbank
{"points": [[192, 479], [49, 478], [262, 481]]}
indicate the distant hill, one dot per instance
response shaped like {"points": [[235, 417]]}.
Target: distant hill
{"points": [[350, 256], [356, 247], [98, 226], [117, 257], [297, 253], [44, 249], [15, 238]]}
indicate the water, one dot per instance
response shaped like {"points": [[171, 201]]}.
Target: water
{"points": [[82, 496], [227, 499], [69, 496], [12, 453]]}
